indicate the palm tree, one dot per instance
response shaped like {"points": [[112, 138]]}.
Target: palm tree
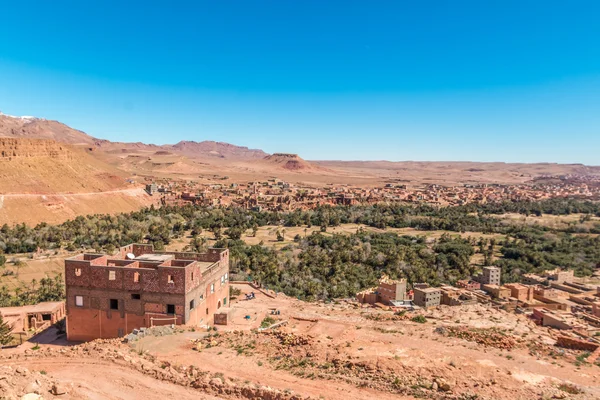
{"points": [[5, 333]]}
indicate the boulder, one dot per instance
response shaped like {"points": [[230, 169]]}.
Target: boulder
{"points": [[33, 387], [59, 389], [31, 396]]}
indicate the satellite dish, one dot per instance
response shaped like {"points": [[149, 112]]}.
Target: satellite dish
{"points": [[130, 256]]}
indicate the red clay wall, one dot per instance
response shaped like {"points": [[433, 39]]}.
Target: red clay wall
{"points": [[571, 343], [89, 324]]}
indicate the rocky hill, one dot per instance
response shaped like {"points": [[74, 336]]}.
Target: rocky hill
{"points": [[39, 128], [45, 166], [215, 149], [290, 162]]}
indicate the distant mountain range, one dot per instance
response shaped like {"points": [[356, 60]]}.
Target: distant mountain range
{"points": [[39, 128]]}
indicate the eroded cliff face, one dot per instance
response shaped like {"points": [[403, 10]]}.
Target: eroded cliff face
{"points": [[13, 149], [45, 166]]}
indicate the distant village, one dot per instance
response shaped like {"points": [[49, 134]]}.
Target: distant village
{"points": [[279, 195], [557, 300]]}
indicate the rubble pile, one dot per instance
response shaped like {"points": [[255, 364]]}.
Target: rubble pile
{"points": [[20, 383], [486, 336], [154, 331], [289, 339], [397, 316]]}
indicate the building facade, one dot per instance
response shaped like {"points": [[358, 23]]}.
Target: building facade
{"points": [[491, 276], [496, 292], [391, 290], [388, 291], [34, 317], [427, 297], [109, 296], [520, 292]]}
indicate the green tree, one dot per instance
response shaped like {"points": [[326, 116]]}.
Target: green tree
{"points": [[5, 332]]}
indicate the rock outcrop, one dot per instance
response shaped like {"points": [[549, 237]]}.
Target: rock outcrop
{"points": [[11, 149]]}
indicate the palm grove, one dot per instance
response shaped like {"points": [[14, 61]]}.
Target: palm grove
{"points": [[322, 265]]}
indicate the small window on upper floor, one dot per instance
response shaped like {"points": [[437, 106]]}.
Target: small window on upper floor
{"points": [[223, 279], [212, 287], [135, 296], [136, 276], [226, 276], [77, 271], [79, 301], [112, 275], [170, 279], [192, 275]]}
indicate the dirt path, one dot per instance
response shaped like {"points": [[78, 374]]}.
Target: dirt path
{"points": [[99, 379]]}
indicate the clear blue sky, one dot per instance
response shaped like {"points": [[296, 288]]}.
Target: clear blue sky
{"points": [[398, 80]]}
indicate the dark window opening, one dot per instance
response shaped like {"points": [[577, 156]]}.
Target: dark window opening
{"points": [[46, 317], [207, 311], [170, 308], [192, 305], [135, 296], [114, 304]]}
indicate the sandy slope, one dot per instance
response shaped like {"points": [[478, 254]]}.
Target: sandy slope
{"points": [[56, 208]]}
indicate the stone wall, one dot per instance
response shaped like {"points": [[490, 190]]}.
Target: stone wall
{"points": [[572, 343]]}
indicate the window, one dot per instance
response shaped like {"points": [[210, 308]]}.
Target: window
{"points": [[224, 301], [212, 287], [135, 296], [77, 271], [136, 277], [111, 275], [46, 317], [192, 305], [223, 279], [114, 304], [170, 279], [226, 276], [79, 301], [207, 311], [170, 308], [192, 275]]}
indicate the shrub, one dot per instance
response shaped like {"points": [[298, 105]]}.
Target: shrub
{"points": [[419, 319]]}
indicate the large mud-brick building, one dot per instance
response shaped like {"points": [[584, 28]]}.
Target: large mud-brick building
{"points": [[109, 296]]}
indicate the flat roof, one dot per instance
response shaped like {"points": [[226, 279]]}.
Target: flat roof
{"points": [[204, 265], [154, 257], [44, 307], [429, 289]]}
